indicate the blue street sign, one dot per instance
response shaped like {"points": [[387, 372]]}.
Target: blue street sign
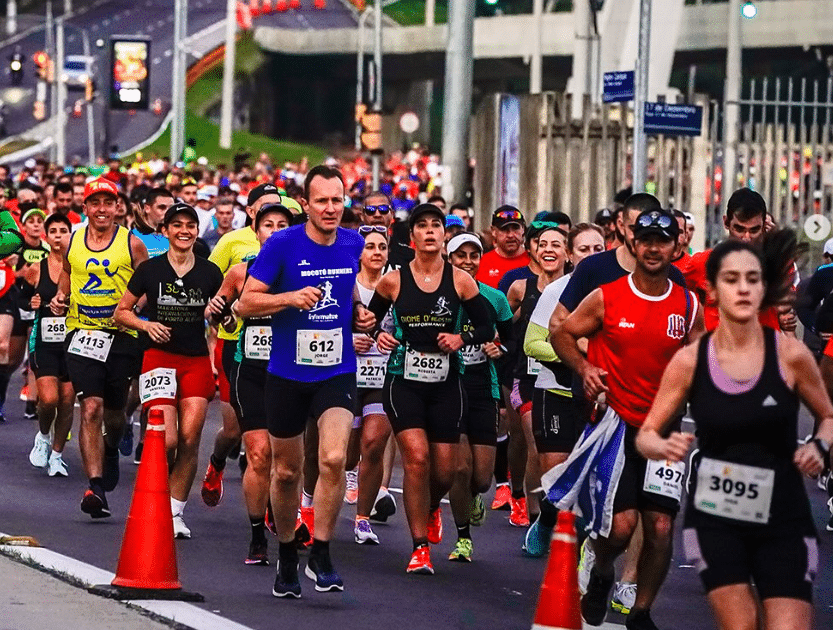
{"points": [[618, 87], [673, 120]]}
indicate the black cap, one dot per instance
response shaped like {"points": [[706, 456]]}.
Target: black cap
{"points": [[180, 208], [259, 191], [273, 207], [660, 222], [423, 209], [507, 214], [605, 215]]}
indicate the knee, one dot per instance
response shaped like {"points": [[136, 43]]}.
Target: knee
{"points": [[660, 528], [373, 448], [258, 460], [332, 461], [47, 400], [624, 524], [285, 474], [92, 410], [417, 463], [189, 443]]}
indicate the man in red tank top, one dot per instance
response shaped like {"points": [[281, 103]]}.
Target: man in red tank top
{"points": [[634, 326]]}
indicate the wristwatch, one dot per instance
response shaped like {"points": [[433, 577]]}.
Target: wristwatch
{"points": [[824, 449]]}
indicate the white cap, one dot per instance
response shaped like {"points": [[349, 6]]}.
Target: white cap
{"points": [[689, 218], [461, 239], [828, 247]]}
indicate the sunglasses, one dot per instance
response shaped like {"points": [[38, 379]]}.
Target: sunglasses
{"points": [[514, 215], [364, 230], [654, 219], [381, 209]]}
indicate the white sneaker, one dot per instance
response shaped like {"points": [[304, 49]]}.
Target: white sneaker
{"points": [[39, 457], [588, 559], [180, 528], [57, 465], [351, 490], [624, 596], [364, 533]]}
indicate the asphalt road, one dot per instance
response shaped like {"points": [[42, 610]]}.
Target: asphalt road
{"points": [[152, 18], [497, 591]]}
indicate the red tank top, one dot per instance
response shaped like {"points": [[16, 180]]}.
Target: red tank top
{"points": [[639, 335]]}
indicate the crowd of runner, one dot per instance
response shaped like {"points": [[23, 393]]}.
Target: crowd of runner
{"points": [[338, 325]]}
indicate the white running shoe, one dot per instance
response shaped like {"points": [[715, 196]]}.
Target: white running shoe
{"points": [[624, 596], [180, 528], [351, 490], [586, 562], [39, 457], [57, 466], [364, 533]]}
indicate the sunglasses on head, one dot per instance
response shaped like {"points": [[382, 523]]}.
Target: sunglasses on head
{"points": [[654, 219], [514, 215], [381, 209], [364, 230]]}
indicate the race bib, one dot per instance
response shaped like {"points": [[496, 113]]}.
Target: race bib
{"points": [[427, 367], [473, 355], [664, 478], [318, 347], [53, 329], [533, 367], [370, 371], [158, 383], [93, 344], [741, 493], [258, 342], [26, 316]]}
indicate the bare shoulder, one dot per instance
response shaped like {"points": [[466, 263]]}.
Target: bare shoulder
{"points": [[793, 352], [466, 286], [686, 358]]}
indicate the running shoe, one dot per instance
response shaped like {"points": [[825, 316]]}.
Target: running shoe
{"points": [[31, 412], [462, 551], [212, 485], [477, 514], [384, 508], [364, 533], [830, 522], [320, 570], [585, 564], [351, 492], [126, 443], [137, 456], [269, 519], [302, 533], [24, 392], [536, 540], [640, 620], [594, 601], [421, 561], [308, 517], [94, 504], [110, 478], [518, 517], [503, 497], [624, 595], [821, 482], [181, 530], [242, 462], [57, 467], [435, 526], [287, 583], [39, 456], [2, 417], [258, 554]]}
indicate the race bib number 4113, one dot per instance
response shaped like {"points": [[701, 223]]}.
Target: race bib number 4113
{"points": [[93, 344]]}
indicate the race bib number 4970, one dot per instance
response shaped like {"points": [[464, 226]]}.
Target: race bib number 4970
{"points": [[664, 478]]}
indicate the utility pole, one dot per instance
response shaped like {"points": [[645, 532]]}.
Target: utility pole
{"points": [[85, 40], [178, 83], [377, 101], [67, 7], [228, 74], [731, 106], [536, 60], [640, 141], [459, 70], [11, 17], [582, 56], [60, 114], [360, 73], [430, 10]]}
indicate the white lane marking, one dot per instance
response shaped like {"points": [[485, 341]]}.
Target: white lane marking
{"points": [[156, 60], [168, 52]]}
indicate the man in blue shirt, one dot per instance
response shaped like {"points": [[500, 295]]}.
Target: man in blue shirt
{"points": [[304, 277]]}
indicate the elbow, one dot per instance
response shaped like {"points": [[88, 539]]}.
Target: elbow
{"points": [[120, 319], [243, 308]]}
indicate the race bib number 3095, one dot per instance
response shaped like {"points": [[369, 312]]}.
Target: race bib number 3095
{"points": [[742, 493]]}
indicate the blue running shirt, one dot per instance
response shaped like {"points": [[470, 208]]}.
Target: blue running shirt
{"points": [[305, 343]]}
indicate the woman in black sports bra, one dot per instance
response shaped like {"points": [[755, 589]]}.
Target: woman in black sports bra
{"points": [[748, 517]]}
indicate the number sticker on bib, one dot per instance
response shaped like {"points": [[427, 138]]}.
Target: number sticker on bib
{"points": [[158, 383], [473, 355], [533, 367], [428, 367], [370, 371], [664, 478], [93, 344], [53, 329], [741, 493], [258, 342], [318, 347]]}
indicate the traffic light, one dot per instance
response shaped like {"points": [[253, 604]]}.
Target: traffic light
{"points": [[42, 62], [371, 131]]}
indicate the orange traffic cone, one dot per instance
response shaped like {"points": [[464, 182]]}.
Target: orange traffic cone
{"points": [[558, 603], [281, 6], [147, 563], [266, 7], [319, 4], [294, 4]]}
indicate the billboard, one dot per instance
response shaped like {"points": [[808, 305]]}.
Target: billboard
{"points": [[129, 72]]}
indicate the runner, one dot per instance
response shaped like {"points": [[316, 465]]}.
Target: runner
{"points": [[56, 396], [748, 525], [634, 325], [233, 248], [305, 278], [556, 424], [478, 427], [176, 369], [423, 395], [508, 238], [101, 358]]}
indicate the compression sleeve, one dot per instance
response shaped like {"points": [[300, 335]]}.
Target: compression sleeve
{"points": [[504, 331], [379, 306], [537, 345], [11, 239], [477, 308]]}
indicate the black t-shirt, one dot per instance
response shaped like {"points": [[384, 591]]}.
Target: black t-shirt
{"points": [[177, 302]]}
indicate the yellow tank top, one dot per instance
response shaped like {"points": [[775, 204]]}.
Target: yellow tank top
{"points": [[98, 279], [233, 248]]}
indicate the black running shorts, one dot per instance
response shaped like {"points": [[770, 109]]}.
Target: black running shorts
{"points": [[49, 359], [248, 381], [556, 422], [480, 419], [436, 408], [110, 379], [290, 403], [630, 494]]}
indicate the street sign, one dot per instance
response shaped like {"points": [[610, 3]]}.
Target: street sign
{"points": [[129, 72], [409, 122], [673, 120], [618, 87]]}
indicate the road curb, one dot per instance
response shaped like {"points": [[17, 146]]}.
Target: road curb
{"points": [[83, 575]]}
